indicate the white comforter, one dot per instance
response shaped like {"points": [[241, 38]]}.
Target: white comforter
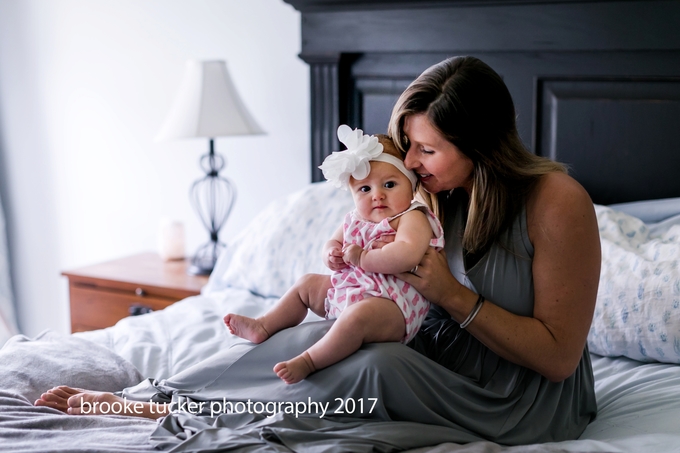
{"points": [[162, 343]]}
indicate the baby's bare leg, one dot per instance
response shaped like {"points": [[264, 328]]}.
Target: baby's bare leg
{"points": [[308, 293], [369, 321]]}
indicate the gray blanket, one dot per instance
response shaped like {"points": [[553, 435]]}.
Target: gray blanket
{"points": [[29, 367]]}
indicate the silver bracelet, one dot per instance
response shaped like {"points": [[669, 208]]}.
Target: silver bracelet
{"points": [[473, 313]]}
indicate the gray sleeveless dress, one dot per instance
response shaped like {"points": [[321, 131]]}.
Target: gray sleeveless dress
{"points": [[504, 276], [445, 386]]}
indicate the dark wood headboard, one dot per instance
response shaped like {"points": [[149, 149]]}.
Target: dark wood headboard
{"points": [[596, 84]]}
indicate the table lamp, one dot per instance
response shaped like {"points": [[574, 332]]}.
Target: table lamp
{"points": [[209, 106]]}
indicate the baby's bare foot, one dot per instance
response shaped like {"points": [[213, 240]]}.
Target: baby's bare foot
{"points": [[295, 369], [245, 327]]}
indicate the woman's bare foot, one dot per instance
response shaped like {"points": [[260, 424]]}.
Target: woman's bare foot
{"points": [[57, 397], [75, 401], [245, 327], [295, 369]]}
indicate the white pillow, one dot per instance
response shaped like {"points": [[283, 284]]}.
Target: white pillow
{"points": [[650, 211], [283, 242], [637, 314]]}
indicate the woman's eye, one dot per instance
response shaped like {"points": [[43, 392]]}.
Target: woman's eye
{"points": [[427, 151], [405, 142], [390, 184]]}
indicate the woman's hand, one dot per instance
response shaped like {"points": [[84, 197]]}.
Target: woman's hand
{"points": [[432, 278]]}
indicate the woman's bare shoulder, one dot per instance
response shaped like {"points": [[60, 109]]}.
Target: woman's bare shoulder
{"points": [[556, 185], [558, 201]]}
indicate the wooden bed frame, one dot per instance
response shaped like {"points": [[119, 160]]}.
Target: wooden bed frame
{"points": [[596, 84]]}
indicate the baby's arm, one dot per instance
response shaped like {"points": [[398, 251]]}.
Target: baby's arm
{"points": [[410, 244], [332, 252]]}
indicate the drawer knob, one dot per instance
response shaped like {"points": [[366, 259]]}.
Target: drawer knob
{"points": [[136, 310], [139, 291]]}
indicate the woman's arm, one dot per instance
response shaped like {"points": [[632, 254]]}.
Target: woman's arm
{"points": [[563, 229], [410, 244]]}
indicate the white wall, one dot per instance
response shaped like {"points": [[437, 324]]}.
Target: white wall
{"points": [[84, 87]]}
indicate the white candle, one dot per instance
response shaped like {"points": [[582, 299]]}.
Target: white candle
{"points": [[171, 240]]}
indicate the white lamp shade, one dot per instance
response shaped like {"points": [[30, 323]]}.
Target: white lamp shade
{"points": [[207, 105]]}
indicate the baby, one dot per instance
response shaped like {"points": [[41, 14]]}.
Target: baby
{"points": [[370, 304]]}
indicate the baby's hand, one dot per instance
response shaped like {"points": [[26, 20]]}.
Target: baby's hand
{"points": [[334, 260], [352, 254]]}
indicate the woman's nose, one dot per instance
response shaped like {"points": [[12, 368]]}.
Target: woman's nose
{"points": [[410, 161]]}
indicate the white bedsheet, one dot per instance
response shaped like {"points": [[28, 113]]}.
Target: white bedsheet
{"points": [[638, 405], [162, 343]]}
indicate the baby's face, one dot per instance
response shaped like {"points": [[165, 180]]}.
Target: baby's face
{"points": [[384, 193]]}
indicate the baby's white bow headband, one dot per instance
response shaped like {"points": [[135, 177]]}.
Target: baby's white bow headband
{"points": [[354, 161]]}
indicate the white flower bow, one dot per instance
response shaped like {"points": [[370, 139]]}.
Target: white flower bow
{"points": [[354, 161]]}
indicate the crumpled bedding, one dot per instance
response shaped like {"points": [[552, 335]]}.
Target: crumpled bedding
{"points": [[31, 366], [637, 314], [251, 433], [639, 405], [163, 343]]}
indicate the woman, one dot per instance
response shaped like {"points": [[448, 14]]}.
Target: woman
{"points": [[514, 294], [456, 124]]}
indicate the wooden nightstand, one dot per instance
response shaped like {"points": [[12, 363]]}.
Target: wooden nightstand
{"points": [[105, 293]]}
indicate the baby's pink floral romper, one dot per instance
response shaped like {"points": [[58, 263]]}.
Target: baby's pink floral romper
{"points": [[352, 284]]}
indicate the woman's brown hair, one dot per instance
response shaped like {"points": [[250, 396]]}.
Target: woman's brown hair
{"points": [[469, 104]]}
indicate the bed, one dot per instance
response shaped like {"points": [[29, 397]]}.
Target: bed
{"points": [[594, 87], [639, 400]]}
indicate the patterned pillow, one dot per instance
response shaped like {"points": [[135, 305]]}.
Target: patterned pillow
{"points": [[637, 314], [283, 242]]}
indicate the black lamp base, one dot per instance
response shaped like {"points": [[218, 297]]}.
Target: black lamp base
{"points": [[212, 197], [205, 258], [198, 270]]}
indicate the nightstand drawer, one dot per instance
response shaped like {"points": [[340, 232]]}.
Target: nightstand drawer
{"points": [[129, 288], [103, 294], [95, 308]]}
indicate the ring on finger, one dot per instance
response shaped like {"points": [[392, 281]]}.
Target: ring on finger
{"points": [[414, 270]]}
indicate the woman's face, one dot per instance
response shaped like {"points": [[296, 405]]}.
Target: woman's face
{"points": [[439, 164]]}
